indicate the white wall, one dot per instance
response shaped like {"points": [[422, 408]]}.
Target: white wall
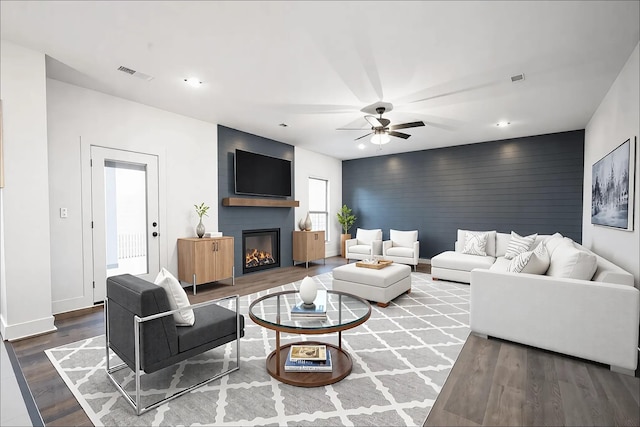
{"points": [[313, 165], [25, 281], [187, 151], [616, 119]]}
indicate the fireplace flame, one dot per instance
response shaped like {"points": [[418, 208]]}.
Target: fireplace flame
{"points": [[256, 258]]}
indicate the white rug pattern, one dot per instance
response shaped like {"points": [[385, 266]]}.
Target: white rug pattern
{"points": [[401, 357]]}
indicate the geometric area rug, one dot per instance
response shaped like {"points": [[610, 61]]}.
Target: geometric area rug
{"points": [[401, 358]]}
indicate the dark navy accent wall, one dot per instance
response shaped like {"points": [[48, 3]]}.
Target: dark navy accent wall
{"points": [[528, 185], [233, 219]]}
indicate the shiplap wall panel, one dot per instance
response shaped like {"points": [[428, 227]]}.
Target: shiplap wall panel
{"points": [[527, 185], [233, 219]]}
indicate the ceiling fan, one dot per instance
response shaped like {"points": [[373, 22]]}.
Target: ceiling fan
{"points": [[380, 128]]}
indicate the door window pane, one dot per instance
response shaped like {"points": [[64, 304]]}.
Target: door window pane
{"points": [[319, 204], [126, 218]]}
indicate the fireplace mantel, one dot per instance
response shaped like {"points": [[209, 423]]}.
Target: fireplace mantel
{"points": [[255, 202]]}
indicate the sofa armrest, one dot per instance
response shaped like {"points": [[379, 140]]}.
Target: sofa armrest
{"points": [[416, 250], [387, 244], [350, 242], [376, 247], [592, 320], [457, 246]]}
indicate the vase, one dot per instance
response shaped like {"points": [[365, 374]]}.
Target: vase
{"points": [[200, 229], [308, 290], [307, 222]]}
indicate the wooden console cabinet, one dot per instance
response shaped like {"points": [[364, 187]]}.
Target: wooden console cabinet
{"points": [[308, 246], [205, 260]]}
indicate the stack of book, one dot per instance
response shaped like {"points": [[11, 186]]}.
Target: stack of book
{"points": [[308, 358], [316, 311]]}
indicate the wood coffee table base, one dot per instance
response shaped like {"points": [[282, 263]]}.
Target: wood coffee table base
{"points": [[340, 360]]}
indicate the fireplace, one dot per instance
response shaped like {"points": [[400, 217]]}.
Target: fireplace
{"points": [[261, 249]]}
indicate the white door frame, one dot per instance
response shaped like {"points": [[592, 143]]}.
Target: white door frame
{"points": [[87, 232]]}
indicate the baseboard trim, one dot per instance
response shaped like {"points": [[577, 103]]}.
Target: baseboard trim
{"points": [[27, 329]]}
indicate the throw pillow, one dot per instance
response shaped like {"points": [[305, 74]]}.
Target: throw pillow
{"points": [[491, 240], [519, 244], [532, 262], [475, 243], [177, 298]]}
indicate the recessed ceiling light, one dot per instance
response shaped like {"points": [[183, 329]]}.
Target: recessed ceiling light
{"points": [[361, 146], [503, 124], [193, 82]]}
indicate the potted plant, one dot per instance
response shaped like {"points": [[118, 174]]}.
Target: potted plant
{"points": [[346, 220], [201, 210]]}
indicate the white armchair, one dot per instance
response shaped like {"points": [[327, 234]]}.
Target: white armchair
{"points": [[366, 244], [403, 247]]}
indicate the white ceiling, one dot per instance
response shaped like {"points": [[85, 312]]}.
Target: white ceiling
{"points": [[314, 65]]}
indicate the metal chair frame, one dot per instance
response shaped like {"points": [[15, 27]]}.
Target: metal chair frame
{"points": [[137, 322]]}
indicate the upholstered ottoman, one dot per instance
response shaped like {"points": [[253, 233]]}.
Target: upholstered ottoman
{"points": [[380, 286]]}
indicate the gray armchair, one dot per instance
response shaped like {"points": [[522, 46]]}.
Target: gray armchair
{"points": [[140, 329]]}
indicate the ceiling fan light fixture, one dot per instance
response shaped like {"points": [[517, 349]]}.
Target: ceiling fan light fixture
{"points": [[193, 81], [380, 138]]}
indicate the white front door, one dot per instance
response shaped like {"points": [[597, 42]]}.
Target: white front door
{"points": [[124, 206]]}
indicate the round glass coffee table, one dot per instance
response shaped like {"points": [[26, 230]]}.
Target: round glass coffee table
{"points": [[344, 311]]}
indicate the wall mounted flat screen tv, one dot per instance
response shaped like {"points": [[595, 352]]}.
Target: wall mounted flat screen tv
{"points": [[261, 175]]}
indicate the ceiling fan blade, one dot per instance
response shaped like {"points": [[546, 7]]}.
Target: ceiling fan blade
{"points": [[361, 129], [363, 136], [407, 125], [399, 134], [373, 121]]}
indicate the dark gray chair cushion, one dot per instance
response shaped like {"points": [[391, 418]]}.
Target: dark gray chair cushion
{"points": [[212, 323]]}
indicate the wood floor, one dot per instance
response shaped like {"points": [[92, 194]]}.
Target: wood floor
{"points": [[499, 383], [486, 385]]}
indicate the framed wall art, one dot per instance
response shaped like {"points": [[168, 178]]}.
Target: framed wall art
{"points": [[612, 187]]}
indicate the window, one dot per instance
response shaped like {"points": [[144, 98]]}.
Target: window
{"points": [[319, 204]]}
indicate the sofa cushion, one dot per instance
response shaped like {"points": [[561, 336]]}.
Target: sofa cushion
{"points": [[403, 238], [491, 241], [360, 249], [365, 237], [502, 243], [532, 262], [568, 261], [519, 244], [400, 252], [552, 242], [459, 261], [177, 298], [475, 243]]}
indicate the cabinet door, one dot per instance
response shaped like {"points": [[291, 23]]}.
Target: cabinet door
{"points": [[223, 258], [316, 245], [205, 261]]}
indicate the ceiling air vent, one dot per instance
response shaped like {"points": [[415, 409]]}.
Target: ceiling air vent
{"points": [[517, 78], [135, 73], [129, 70]]}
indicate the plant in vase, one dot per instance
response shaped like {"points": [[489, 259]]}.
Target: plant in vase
{"points": [[201, 211], [346, 220]]}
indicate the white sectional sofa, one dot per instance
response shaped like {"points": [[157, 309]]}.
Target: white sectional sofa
{"points": [[583, 305]]}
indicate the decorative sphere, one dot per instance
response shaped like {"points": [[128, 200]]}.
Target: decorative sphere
{"points": [[308, 290]]}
